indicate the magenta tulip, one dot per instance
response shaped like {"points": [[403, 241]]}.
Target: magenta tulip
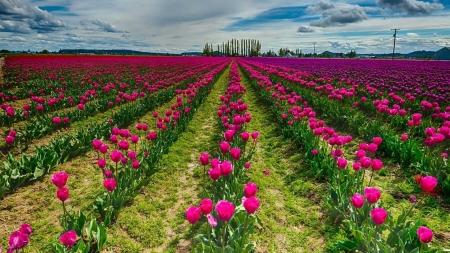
{"points": [[225, 210], [110, 184], [377, 140], [116, 155], [134, 139], [251, 204], [101, 163], [226, 168], [206, 206], [224, 147], [247, 165], [372, 148], [108, 173], [314, 151], [60, 179], [365, 162], [245, 136], [235, 153], [135, 164], [68, 238], [103, 148], [97, 144], [424, 234], [215, 162], [357, 200], [250, 189], [204, 159], [372, 194], [124, 145], [56, 120], [342, 163], [377, 164], [62, 194], [378, 215], [17, 240], [193, 214], [214, 173], [428, 183], [9, 139], [356, 166], [255, 135], [26, 229]]}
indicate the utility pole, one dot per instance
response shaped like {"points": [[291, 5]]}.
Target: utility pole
{"points": [[395, 37], [314, 55]]}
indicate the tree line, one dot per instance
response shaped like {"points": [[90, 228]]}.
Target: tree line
{"points": [[234, 47]]}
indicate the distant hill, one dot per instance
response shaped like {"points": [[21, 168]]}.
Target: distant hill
{"points": [[117, 52]]}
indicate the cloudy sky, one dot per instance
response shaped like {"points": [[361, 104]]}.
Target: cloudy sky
{"points": [[181, 25]]}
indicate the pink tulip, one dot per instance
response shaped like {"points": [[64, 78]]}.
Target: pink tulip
{"points": [[204, 159], [226, 168], [134, 139], [377, 164], [151, 136], [266, 172], [124, 133], [114, 139], [116, 155], [60, 179], [139, 126], [62, 194], [206, 206], [103, 148], [365, 162], [357, 200], [214, 173], [9, 139], [228, 135], [424, 234], [17, 241], [428, 183], [225, 210], [193, 214], [135, 164], [211, 220], [56, 120], [215, 162], [109, 184], [26, 229], [66, 119], [342, 163], [68, 238], [251, 204], [372, 194], [101, 163], [255, 135], [247, 165], [356, 166], [124, 145], [404, 137], [224, 147], [235, 153], [360, 153], [378, 215], [124, 160], [372, 148], [250, 189], [80, 107], [115, 131], [377, 140], [108, 173], [97, 144], [314, 151], [245, 136], [132, 155], [13, 133]]}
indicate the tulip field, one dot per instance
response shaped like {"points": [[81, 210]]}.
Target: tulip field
{"points": [[217, 154]]}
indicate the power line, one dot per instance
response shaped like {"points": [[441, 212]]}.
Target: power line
{"points": [[395, 37]]}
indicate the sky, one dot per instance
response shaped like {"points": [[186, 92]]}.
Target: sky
{"points": [[179, 25]]}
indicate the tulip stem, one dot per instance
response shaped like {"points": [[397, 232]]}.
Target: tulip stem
{"points": [[421, 247], [370, 181], [223, 237], [243, 231]]}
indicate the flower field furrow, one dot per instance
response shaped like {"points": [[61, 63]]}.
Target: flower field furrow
{"points": [[303, 127], [125, 182], [224, 155], [18, 171], [408, 151]]}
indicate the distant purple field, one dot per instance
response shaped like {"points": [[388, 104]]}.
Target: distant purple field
{"points": [[425, 79]]}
